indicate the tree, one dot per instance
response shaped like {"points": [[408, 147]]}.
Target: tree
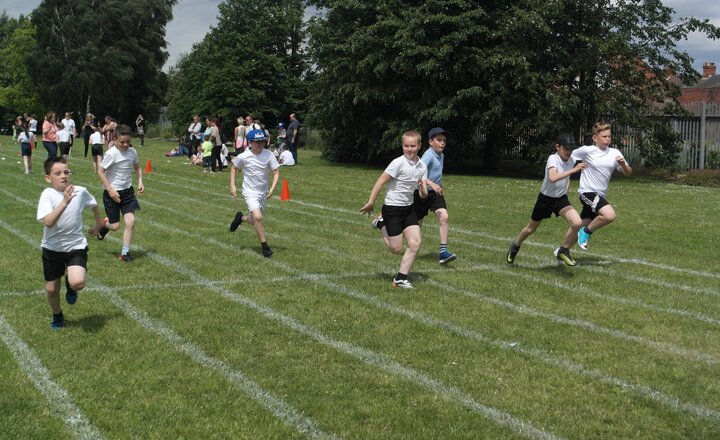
{"points": [[250, 62], [486, 70], [105, 56], [17, 91]]}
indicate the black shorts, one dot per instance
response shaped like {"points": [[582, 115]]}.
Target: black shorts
{"points": [[432, 202], [55, 263], [592, 203], [128, 203], [97, 149], [546, 206], [64, 148], [397, 218]]}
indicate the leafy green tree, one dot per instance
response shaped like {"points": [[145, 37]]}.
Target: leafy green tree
{"points": [[251, 62], [489, 72], [102, 56], [17, 91]]}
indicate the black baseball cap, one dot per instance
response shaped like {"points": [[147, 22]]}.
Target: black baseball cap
{"points": [[566, 140]]}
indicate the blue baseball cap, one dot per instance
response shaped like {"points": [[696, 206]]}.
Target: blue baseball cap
{"points": [[436, 131], [256, 135]]}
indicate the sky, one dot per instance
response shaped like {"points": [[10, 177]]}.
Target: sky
{"points": [[192, 20]]}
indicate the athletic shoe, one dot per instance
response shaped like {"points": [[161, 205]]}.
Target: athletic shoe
{"points": [[57, 323], [378, 221], [512, 253], [583, 238], [126, 257], [446, 257], [103, 231], [267, 252], [402, 284], [71, 295], [565, 257], [236, 221]]}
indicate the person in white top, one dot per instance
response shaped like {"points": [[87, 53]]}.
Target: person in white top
{"points": [[96, 142], [64, 246], [286, 158], [195, 136], [553, 199], [256, 164], [69, 125], [115, 173], [63, 138], [601, 160], [398, 219]]}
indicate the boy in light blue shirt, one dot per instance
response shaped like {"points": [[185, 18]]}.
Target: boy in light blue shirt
{"points": [[435, 201]]}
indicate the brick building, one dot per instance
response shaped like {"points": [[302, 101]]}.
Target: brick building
{"points": [[707, 89]]}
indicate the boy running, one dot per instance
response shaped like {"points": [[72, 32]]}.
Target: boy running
{"points": [[255, 164], [601, 161], [64, 246], [115, 173], [553, 199], [435, 201], [403, 176]]}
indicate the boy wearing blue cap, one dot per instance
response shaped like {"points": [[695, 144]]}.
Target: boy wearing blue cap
{"points": [[256, 164], [435, 201], [553, 199]]}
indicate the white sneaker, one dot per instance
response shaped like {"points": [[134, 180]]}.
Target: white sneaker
{"points": [[403, 284]]}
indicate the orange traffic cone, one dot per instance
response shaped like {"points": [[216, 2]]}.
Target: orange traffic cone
{"points": [[285, 195], [148, 167]]}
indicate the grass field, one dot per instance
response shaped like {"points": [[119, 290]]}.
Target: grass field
{"points": [[201, 337]]}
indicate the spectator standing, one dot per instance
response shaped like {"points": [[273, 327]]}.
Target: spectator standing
{"points": [[25, 139], [291, 137], [108, 131], [195, 136], [140, 126], [69, 124], [88, 128], [49, 134]]}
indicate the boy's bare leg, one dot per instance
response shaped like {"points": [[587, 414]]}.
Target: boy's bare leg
{"points": [[573, 218], [129, 228], [52, 292], [414, 240]]}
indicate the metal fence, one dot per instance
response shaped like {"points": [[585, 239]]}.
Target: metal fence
{"points": [[700, 132]]}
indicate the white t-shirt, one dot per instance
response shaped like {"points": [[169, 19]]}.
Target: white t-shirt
{"points": [[256, 170], [119, 166], [600, 166], [24, 139], [69, 126], [287, 158], [405, 176], [560, 187], [96, 138], [63, 136], [33, 125], [67, 234]]}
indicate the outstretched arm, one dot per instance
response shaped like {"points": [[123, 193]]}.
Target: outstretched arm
{"points": [[381, 181]]}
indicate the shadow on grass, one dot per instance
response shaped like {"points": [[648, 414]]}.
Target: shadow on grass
{"points": [[92, 323]]}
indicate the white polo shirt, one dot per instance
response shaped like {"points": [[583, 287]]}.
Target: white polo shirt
{"points": [[405, 176], [119, 166]]}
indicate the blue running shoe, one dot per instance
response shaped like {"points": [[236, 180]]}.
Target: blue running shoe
{"points": [[58, 322], [446, 257], [71, 295], [583, 238]]}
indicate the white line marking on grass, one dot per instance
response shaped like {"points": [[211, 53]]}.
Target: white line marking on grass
{"points": [[448, 392], [59, 399], [276, 406], [668, 400], [647, 392], [660, 346], [502, 239]]}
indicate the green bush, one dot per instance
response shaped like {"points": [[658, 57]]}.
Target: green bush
{"points": [[661, 147], [712, 160]]}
